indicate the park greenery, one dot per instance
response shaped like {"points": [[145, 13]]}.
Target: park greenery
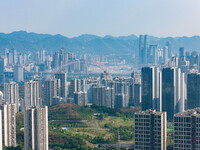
{"points": [[84, 128]]}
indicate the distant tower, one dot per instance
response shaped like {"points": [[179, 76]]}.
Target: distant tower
{"points": [[168, 44], [75, 86], [18, 73], [63, 83], [165, 55], [11, 94], [36, 128], [55, 62], [51, 89], [32, 93]]}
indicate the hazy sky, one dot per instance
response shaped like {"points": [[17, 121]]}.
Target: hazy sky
{"points": [[102, 17]]}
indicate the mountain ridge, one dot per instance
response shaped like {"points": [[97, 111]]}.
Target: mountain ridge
{"points": [[91, 44]]}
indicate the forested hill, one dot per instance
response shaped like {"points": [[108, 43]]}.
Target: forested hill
{"points": [[23, 41]]}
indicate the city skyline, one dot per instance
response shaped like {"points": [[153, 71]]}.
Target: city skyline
{"points": [[73, 18]]}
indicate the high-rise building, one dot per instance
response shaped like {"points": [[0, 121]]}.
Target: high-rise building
{"points": [[150, 130], [36, 128], [143, 47], [193, 90], [182, 52], [51, 89], [18, 73], [42, 56], [187, 130], [11, 94], [3, 62], [120, 100], [8, 124], [98, 95], [123, 88], [137, 94], [61, 57], [39, 80], [63, 83], [32, 93], [75, 86], [169, 45], [151, 86], [80, 98], [152, 55], [173, 91], [83, 84], [165, 55], [110, 97], [15, 56], [55, 63]]}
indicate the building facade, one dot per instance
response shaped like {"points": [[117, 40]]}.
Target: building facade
{"points": [[150, 130], [187, 130], [36, 128], [11, 94], [151, 79], [8, 124]]}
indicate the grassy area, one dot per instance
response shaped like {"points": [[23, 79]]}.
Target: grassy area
{"points": [[102, 128]]}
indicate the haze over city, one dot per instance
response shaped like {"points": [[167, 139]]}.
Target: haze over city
{"points": [[105, 17], [99, 75]]}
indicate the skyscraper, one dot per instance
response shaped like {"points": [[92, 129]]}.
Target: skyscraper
{"points": [[173, 91], [153, 54], [32, 93], [143, 47], [168, 44], [150, 130], [151, 79], [51, 89], [8, 124], [39, 80], [193, 90], [18, 73], [165, 55], [36, 128], [63, 83], [11, 94], [55, 62], [187, 130], [181, 52]]}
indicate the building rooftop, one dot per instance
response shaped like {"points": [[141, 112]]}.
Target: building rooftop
{"points": [[189, 112], [149, 111]]}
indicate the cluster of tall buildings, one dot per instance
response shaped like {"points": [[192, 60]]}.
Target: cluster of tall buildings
{"points": [[102, 91], [151, 130], [68, 62], [169, 89], [163, 90], [35, 115], [151, 54]]}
